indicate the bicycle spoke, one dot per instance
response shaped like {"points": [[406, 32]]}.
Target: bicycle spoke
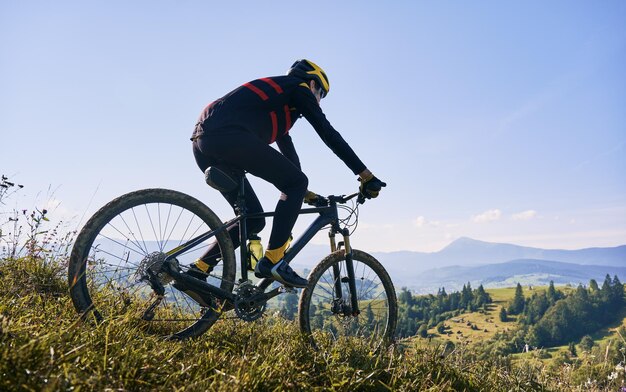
{"points": [[131, 233], [153, 229], [139, 228], [167, 221], [175, 224], [118, 257], [159, 237], [129, 240]]}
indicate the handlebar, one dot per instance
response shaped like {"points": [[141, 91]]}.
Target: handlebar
{"points": [[321, 201]]}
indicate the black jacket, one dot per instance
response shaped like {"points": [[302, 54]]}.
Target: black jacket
{"points": [[268, 107]]}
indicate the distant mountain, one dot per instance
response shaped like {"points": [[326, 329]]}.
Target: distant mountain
{"points": [[525, 271], [416, 270], [469, 252]]}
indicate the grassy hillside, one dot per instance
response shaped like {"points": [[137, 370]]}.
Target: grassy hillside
{"points": [[482, 325], [44, 347], [475, 327]]}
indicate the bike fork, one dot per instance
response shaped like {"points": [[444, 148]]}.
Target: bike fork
{"points": [[354, 304]]}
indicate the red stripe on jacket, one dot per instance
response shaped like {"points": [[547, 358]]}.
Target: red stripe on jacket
{"points": [[274, 85], [274, 127], [257, 91]]}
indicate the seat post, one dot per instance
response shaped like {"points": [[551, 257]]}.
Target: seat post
{"points": [[241, 196], [243, 228]]}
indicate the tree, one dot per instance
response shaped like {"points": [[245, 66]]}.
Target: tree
{"points": [[581, 293], [535, 308], [553, 294], [454, 300], [572, 349], [606, 288], [586, 343], [618, 291], [481, 297], [406, 297], [503, 316], [466, 296], [517, 305], [442, 300], [536, 336]]}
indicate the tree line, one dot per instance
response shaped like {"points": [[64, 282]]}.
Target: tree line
{"points": [[584, 311], [419, 313], [553, 318]]}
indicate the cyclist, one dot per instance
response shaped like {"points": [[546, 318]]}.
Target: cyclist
{"points": [[233, 134]]}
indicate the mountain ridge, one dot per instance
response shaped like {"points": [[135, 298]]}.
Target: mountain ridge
{"points": [[466, 251], [468, 260], [526, 271]]}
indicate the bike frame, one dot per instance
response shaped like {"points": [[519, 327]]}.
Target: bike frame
{"points": [[328, 215]]}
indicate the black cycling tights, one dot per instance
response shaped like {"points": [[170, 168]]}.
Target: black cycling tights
{"points": [[236, 149]]}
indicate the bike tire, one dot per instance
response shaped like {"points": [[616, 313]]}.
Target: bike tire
{"points": [[320, 312], [104, 263]]}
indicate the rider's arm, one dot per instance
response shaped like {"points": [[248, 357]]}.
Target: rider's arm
{"points": [[286, 147], [305, 101]]}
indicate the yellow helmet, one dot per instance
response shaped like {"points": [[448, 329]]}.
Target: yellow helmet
{"points": [[308, 70]]}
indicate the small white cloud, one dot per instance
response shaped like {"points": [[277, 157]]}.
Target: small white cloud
{"points": [[525, 215], [420, 222], [487, 216]]}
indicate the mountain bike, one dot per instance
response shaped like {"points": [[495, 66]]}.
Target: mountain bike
{"points": [[130, 258]]}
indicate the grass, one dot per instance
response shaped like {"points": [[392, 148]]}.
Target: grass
{"points": [[475, 326], [485, 324], [481, 325], [44, 347]]}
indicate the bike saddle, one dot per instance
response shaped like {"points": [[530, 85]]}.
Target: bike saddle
{"points": [[221, 180]]}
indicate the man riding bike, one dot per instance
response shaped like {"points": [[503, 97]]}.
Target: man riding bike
{"points": [[233, 135]]}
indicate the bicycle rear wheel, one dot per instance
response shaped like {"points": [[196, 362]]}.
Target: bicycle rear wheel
{"points": [[127, 237], [325, 313]]}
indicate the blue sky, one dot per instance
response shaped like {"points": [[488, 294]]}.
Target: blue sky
{"points": [[500, 121]]}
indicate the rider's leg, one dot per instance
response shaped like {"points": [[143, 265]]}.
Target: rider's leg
{"points": [[210, 258], [246, 151]]}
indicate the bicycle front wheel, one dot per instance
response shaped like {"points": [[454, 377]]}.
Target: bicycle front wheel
{"points": [[325, 310], [126, 240]]}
